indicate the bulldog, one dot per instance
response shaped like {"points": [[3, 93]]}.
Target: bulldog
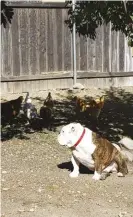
{"points": [[95, 152]]}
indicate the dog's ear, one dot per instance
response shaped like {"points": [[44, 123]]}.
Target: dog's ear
{"points": [[78, 126]]}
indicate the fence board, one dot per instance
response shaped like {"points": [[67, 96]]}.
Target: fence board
{"points": [[114, 53], [16, 41], [121, 52], [43, 84], [43, 41], [77, 52], [50, 41], [91, 55], [6, 52], [99, 50], [83, 53], [38, 42], [24, 45], [67, 46], [55, 56], [106, 48], [33, 40], [59, 41]]}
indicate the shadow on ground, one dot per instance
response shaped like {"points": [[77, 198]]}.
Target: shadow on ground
{"points": [[115, 120], [68, 166]]}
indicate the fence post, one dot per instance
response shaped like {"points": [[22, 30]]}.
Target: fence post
{"points": [[74, 47]]}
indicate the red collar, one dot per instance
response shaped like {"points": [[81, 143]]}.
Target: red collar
{"points": [[80, 138]]}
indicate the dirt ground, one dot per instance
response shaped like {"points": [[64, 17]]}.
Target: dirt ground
{"points": [[35, 169]]}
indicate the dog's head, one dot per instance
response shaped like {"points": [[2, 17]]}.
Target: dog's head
{"points": [[69, 134]]}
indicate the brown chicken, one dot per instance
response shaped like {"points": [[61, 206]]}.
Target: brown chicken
{"points": [[80, 104], [93, 108]]}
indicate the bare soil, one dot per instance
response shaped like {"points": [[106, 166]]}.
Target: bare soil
{"points": [[35, 169]]}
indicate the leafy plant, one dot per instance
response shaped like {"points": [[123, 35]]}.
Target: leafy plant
{"points": [[6, 14], [88, 15]]}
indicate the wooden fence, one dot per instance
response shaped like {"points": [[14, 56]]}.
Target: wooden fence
{"points": [[37, 48]]}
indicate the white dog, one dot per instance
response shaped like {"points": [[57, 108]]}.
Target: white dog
{"points": [[95, 152]]}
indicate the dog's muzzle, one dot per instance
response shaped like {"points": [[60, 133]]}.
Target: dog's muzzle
{"points": [[61, 140]]}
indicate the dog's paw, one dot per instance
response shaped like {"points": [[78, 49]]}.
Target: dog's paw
{"points": [[119, 174], [96, 176], [74, 174]]}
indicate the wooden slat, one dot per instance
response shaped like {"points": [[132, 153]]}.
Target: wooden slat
{"points": [[106, 48], [43, 84], [33, 40], [10, 88], [99, 50], [83, 53], [67, 46], [3, 87], [110, 48], [37, 41], [63, 83], [26, 86], [121, 52], [62, 39], [91, 55], [6, 51], [15, 28], [55, 56], [43, 41], [117, 51], [70, 83], [2, 51], [114, 51], [60, 75], [53, 84], [23, 28], [17, 87], [59, 42], [50, 41], [77, 52], [35, 4]]}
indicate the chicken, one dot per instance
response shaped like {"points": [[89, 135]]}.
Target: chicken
{"points": [[80, 104], [94, 107], [29, 109], [10, 109], [49, 101], [46, 111]]}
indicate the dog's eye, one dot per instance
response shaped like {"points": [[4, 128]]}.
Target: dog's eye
{"points": [[72, 129]]}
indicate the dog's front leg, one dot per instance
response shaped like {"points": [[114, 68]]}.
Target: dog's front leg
{"points": [[97, 175], [75, 164], [98, 170]]}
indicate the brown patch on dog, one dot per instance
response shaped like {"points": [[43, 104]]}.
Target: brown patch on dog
{"points": [[105, 153]]}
